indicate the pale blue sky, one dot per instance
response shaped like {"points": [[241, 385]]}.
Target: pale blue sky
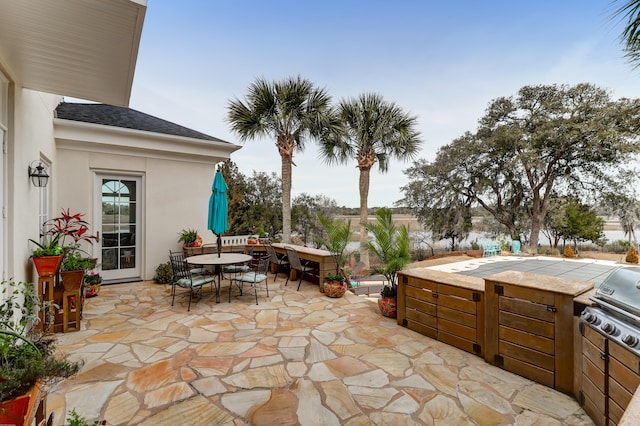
{"points": [[443, 61]]}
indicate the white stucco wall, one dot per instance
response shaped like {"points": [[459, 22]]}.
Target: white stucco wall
{"points": [[30, 137]]}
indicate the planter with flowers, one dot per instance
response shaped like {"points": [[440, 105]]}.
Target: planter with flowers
{"points": [[92, 282], [71, 233], [190, 238]]}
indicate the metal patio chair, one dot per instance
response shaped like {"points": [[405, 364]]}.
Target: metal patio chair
{"points": [[185, 278], [280, 261], [257, 274], [296, 264]]}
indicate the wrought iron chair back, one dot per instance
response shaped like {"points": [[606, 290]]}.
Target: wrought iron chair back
{"points": [[184, 277], [296, 264], [257, 274]]}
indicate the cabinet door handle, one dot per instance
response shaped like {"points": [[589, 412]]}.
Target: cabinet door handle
{"points": [[552, 309]]}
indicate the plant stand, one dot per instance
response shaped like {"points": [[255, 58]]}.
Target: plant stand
{"points": [[66, 317], [71, 302], [46, 292]]}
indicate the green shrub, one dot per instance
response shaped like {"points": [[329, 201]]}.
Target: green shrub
{"points": [[164, 274], [75, 419]]}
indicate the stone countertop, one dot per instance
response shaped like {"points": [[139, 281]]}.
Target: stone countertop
{"points": [[463, 281], [583, 299], [302, 249], [542, 282]]}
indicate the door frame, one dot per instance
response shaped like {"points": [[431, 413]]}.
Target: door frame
{"points": [[129, 274]]}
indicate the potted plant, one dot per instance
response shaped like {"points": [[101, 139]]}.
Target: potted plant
{"points": [[92, 282], [263, 237], [338, 237], [73, 268], [70, 231], [391, 246], [46, 257], [190, 238], [28, 358]]}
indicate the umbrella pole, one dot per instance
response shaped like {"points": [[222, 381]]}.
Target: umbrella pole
{"points": [[219, 245]]}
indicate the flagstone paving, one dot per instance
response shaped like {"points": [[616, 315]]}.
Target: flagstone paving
{"points": [[297, 358]]}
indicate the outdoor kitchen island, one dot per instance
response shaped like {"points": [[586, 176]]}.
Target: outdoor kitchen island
{"points": [[522, 322]]}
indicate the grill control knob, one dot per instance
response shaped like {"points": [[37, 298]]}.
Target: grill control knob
{"points": [[589, 317], [608, 328], [630, 340]]}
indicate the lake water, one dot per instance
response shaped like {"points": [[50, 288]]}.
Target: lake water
{"points": [[612, 232], [481, 237]]}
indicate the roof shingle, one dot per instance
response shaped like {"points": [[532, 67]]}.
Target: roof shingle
{"points": [[110, 115]]}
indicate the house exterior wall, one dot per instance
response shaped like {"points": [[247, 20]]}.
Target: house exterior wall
{"points": [[175, 195], [30, 137]]}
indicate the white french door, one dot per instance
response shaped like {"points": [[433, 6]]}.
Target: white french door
{"points": [[118, 220]]}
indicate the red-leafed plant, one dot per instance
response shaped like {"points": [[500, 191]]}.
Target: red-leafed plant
{"points": [[67, 232]]}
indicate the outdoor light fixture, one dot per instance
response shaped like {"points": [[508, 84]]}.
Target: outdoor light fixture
{"points": [[38, 174]]}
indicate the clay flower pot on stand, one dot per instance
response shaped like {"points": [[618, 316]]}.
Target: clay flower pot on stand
{"points": [[47, 266]]}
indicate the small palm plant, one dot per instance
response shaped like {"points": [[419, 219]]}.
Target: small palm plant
{"points": [[391, 245], [338, 237]]}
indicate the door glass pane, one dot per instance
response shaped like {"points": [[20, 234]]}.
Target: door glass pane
{"points": [[118, 224]]}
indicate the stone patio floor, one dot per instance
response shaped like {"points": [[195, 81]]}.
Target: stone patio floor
{"points": [[297, 358]]}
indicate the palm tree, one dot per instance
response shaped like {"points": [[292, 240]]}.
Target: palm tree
{"points": [[372, 131], [290, 111], [630, 11]]}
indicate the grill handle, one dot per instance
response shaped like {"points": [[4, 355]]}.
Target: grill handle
{"points": [[610, 307]]}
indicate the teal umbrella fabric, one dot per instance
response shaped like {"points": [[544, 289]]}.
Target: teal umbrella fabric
{"points": [[218, 222]]}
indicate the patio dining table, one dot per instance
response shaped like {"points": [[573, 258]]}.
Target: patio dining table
{"points": [[218, 262]]}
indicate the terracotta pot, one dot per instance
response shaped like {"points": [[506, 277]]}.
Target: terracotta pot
{"points": [[13, 411], [388, 306], [47, 266], [334, 288], [72, 280]]}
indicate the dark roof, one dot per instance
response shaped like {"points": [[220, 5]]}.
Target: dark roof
{"points": [[128, 118]]}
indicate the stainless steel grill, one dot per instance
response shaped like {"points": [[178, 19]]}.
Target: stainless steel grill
{"points": [[617, 314]]}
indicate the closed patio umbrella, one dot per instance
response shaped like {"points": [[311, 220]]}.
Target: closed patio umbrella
{"points": [[218, 208]]}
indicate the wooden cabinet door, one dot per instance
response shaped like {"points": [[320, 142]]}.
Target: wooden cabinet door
{"points": [[593, 383], [420, 308]]}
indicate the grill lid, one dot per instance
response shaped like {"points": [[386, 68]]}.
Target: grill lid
{"points": [[621, 289]]}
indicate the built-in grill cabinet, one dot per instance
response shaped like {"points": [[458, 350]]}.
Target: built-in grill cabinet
{"points": [[593, 397], [611, 347], [443, 306], [610, 376], [529, 326]]}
